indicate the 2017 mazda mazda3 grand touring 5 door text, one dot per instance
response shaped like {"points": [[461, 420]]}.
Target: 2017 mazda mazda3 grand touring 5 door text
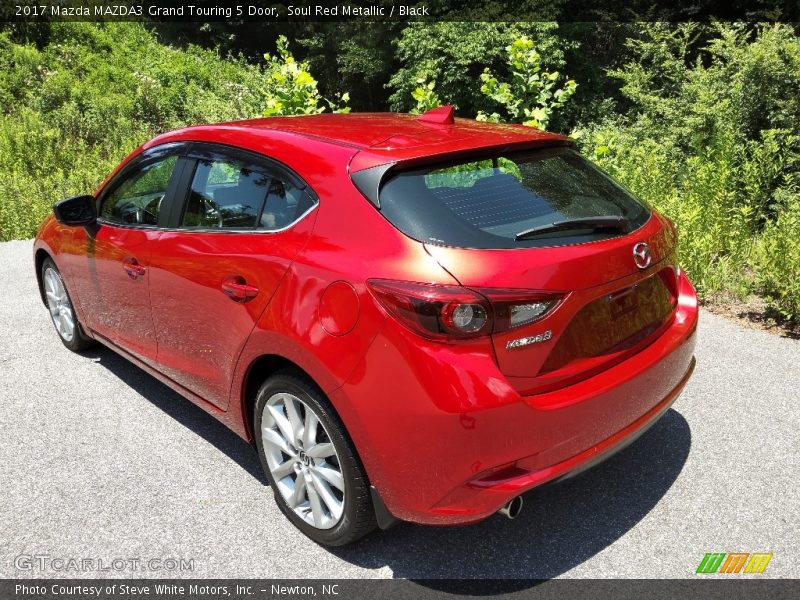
{"points": [[412, 318]]}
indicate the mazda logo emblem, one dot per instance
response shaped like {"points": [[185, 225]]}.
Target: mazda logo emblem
{"points": [[641, 255]]}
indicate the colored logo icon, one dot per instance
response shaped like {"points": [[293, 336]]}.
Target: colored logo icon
{"points": [[734, 562]]}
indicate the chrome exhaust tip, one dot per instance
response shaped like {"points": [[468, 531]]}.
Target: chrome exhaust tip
{"points": [[512, 509]]}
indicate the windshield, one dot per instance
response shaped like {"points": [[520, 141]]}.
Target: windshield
{"points": [[487, 203]]}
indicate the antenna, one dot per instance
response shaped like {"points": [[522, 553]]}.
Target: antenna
{"points": [[443, 115]]}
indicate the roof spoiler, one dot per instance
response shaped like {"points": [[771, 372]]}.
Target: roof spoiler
{"points": [[368, 176]]}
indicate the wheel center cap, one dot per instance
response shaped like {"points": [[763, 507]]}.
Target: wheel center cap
{"points": [[304, 458]]}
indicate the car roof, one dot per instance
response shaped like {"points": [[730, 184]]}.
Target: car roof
{"points": [[369, 130], [375, 137]]}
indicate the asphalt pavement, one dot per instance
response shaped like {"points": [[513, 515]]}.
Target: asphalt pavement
{"points": [[102, 462]]}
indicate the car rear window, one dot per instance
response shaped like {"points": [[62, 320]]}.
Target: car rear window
{"points": [[486, 203]]}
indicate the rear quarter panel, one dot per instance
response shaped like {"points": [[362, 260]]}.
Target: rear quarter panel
{"points": [[351, 243]]}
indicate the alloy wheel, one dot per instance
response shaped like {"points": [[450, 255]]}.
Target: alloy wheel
{"points": [[59, 304], [302, 460]]}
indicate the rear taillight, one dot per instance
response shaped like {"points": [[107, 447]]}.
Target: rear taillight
{"points": [[454, 312], [435, 311]]}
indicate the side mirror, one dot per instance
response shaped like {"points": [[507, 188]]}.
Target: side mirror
{"points": [[76, 211]]}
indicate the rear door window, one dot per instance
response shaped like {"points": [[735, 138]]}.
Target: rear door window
{"points": [[225, 194], [286, 203], [487, 203], [228, 193]]}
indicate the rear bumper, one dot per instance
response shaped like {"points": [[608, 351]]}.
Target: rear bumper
{"points": [[447, 439], [496, 489]]}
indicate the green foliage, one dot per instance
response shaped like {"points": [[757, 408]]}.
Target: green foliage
{"points": [[349, 56], [712, 141], [76, 104], [38, 165], [532, 94], [777, 261], [291, 90], [454, 54], [425, 96]]}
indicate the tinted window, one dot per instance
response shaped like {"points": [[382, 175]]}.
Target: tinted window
{"points": [[137, 200], [225, 194], [285, 204], [486, 203]]}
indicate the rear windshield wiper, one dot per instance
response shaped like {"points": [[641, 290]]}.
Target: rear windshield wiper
{"points": [[609, 223]]}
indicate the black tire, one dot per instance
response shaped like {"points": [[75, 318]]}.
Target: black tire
{"points": [[358, 517], [79, 341]]}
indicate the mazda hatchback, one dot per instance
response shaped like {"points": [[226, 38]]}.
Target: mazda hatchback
{"points": [[413, 318]]}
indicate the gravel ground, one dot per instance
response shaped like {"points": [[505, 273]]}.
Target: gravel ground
{"points": [[102, 461]]}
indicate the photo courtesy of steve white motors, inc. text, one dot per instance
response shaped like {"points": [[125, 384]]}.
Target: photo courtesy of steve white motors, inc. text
{"points": [[173, 589], [219, 11]]}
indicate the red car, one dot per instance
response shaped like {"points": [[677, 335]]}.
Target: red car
{"points": [[411, 317]]}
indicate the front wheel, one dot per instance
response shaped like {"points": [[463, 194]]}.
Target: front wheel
{"points": [[61, 312], [312, 467]]}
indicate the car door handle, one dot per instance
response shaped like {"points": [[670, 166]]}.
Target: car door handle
{"points": [[133, 268], [237, 289]]}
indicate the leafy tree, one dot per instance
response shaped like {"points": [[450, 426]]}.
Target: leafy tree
{"points": [[291, 89], [711, 139], [454, 54], [349, 56], [532, 94], [425, 96]]}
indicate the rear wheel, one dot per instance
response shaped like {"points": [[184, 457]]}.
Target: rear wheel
{"points": [[61, 311], [312, 467]]}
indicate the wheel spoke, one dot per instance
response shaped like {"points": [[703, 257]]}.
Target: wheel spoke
{"points": [[282, 422], [298, 494], [323, 450], [51, 296], [294, 417], [330, 475], [270, 436], [66, 317], [49, 282], [284, 469], [325, 493], [310, 430], [316, 505]]}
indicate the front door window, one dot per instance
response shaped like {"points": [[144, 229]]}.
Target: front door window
{"points": [[137, 200]]}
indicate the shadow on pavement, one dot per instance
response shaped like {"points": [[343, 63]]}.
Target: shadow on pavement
{"points": [[181, 409]]}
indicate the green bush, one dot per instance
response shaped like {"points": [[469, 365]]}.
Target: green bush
{"points": [[454, 54], [532, 94], [702, 121], [290, 88], [75, 106], [712, 141], [777, 261], [38, 165]]}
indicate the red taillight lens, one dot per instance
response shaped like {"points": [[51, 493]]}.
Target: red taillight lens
{"points": [[454, 312], [435, 311]]}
